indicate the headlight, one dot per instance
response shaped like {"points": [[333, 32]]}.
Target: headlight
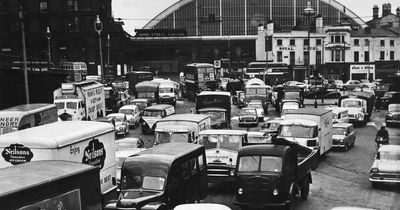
{"points": [[232, 172], [143, 123], [240, 191], [389, 116], [374, 170], [275, 192]]}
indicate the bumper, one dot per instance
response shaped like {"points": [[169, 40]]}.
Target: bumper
{"points": [[392, 121], [375, 180], [248, 122], [385, 178], [261, 205], [220, 173], [168, 101]]}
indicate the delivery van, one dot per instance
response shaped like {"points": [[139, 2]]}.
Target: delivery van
{"points": [[50, 184], [86, 142]]}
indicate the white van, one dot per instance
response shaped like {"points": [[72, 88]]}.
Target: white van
{"points": [[340, 114], [86, 142], [154, 113]]}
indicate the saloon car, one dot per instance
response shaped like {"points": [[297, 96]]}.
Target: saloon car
{"points": [[393, 115], [121, 123], [248, 116], [386, 166], [343, 135]]}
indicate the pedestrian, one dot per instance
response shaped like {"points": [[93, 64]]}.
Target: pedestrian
{"points": [[378, 103]]}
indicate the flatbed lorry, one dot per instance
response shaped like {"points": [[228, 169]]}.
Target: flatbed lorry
{"points": [[272, 175]]}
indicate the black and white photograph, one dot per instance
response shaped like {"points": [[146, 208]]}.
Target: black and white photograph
{"points": [[199, 104]]}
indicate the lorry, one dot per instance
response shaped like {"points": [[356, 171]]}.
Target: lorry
{"points": [[255, 91], [181, 128], [114, 99], [50, 184], [217, 105], [272, 175], [168, 91], [310, 127], [92, 143], [83, 100], [360, 105], [148, 90], [134, 77], [288, 94]]}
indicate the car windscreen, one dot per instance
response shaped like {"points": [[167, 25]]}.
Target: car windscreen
{"points": [[126, 111], [339, 131], [390, 155], [248, 112], [351, 104], [298, 131], [260, 163], [152, 113], [229, 142]]}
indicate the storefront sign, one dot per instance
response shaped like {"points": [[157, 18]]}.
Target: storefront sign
{"points": [[362, 69]]}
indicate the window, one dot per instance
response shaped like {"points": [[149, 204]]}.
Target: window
{"points": [[337, 39], [391, 55], [356, 42], [392, 43], [201, 161], [185, 169], [72, 24], [43, 6], [319, 42], [366, 42], [279, 42], [305, 42], [337, 55], [305, 55], [279, 58], [193, 168], [72, 5], [293, 42], [356, 56], [382, 43], [292, 58], [332, 39], [366, 56], [382, 55], [318, 57]]}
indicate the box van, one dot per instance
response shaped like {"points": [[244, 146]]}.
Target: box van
{"points": [[87, 142], [70, 185], [162, 177], [154, 113], [181, 128], [340, 114]]}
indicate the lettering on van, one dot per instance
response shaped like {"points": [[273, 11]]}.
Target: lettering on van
{"points": [[17, 154], [94, 154], [9, 121], [74, 150]]}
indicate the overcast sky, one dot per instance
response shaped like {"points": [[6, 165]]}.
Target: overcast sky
{"points": [[136, 13]]}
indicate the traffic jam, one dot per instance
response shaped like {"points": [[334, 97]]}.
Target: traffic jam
{"points": [[201, 140]]}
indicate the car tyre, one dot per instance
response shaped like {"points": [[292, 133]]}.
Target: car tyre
{"points": [[375, 185], [346, 147], [305, 189]]}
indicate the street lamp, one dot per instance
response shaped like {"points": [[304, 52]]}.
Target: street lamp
{"points": [[98, 26], [108, 45], [48, 36], [309, 12]]}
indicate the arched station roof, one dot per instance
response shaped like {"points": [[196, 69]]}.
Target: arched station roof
{"points": [[241, 17]]}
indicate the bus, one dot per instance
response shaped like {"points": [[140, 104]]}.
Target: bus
{"points": [[76, 70], [26, 116], [135, 77], [276, 73], [199, 77], [33, 65]]}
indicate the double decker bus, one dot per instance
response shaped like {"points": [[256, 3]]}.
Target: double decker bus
{"points": [[277, 72], [199, 77], [76, 70]]}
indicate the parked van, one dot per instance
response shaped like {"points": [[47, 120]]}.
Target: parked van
{"points": [[168, 91], [154, 113], [162, 177], [26, 116], [86, 142], [50, 184], [340, 114], [181, 128]]}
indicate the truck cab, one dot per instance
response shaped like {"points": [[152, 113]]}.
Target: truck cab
{"points": [[356, 107], [303, 132], [271, 175]]}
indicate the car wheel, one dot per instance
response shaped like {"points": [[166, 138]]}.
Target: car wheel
{"points": [[305, 190], [346, 147], [375, 185]]}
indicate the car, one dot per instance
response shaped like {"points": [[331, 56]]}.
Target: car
{"points": [[258, 137], [368, 85], [121, 123], [386, 166], [142, 103], [124, 148], [389, 97], [393, 115], [106, 120], [257, 104], [364, 89], [201, 206], [343, 135], [248, 116], [132, 114], [270, 127], [289, 105], [338, 84], [351, 84], [298, 84]]}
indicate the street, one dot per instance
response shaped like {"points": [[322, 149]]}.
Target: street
{"points": [[340, 180]]}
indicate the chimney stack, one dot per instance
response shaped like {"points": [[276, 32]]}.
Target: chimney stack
{"points": [[386, 9], [375, 12], [398, 11]]}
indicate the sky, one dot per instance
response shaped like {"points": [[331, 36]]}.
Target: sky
{"points": [[136, 13]]}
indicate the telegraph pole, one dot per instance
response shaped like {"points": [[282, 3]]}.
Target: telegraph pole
{"points": [[24, 67]]}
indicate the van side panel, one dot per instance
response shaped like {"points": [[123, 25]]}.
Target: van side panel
{"points": [[97, 151]]}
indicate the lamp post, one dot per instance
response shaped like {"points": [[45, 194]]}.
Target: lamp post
{"points": [[108, 45], [309, 12], [21, 19], [48, 36], [98, 26]]}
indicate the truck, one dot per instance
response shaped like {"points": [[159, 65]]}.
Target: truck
{"points": [[168, 91], [148, 90], [310, 127], [288, 94], [272, 175], [217, 105], [88, 142], [50, 184], [134, 77], [360, 105], [83, 100], [181, 128], [114, 99], [257, 90]]}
